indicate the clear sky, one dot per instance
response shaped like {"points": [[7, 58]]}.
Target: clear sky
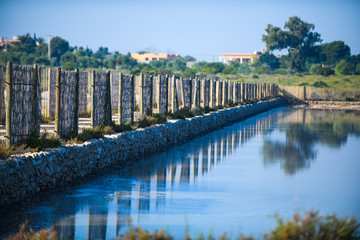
{"points": [[200, 28]]}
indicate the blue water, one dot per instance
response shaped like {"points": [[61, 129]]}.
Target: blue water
{"points": [[232, 180]]}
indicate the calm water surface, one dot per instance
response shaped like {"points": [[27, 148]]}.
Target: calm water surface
{"points": [[231, 180]]}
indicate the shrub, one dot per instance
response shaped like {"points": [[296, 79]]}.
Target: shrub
{"points": [[325, 71], [40, 143], [320, 84], [343, 68], [314, 68]]}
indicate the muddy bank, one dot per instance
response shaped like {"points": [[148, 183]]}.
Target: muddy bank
{"points": [[336, 105]]}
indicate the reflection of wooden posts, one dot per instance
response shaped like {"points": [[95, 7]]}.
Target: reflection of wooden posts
{"points": [[158, 91], [141, 103], [203, 94], [151, 95], [9, 100], [166, 93], [132, 98], [75, 129], [211, 96], [35, 102], [57, 103], [120, 98]]}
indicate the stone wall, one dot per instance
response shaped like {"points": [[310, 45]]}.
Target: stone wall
{"points": [[23, 175]]}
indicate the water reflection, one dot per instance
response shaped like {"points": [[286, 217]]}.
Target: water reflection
{"points": [[303, 129], [103, 206]]}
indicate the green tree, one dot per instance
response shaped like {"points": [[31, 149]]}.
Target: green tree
{"points": [[124, 61], [314, 68], [343, 68], [188, 73], [109, 62], [59, 47], [269, 59], [42, 61], [25, 44], [213, 68], [333, 52], [68, 61], [101, 53], [297, 37]]}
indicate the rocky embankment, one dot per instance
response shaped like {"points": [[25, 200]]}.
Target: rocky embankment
{"points": [[22, 176]]}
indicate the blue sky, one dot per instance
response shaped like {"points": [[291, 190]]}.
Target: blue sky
{"points": [[203, 29]]}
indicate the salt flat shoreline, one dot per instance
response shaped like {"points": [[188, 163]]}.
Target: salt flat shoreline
{"points": [[333, 105]]}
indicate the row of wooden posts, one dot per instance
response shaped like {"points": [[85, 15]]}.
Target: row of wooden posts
{"points": [[216, 92]]}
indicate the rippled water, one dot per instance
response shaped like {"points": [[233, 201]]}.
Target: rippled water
{"points": [[231, 180]]}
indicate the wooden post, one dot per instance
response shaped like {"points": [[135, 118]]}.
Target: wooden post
{"points": [[190, 91], [57, 103], [234, 92], [196, 93], [256, 91], [107, 104], [141, 84], [182, 92], [203, 93], [151, 96], [223, 93], [207, 91], [76, 105], [9, 100], [108, 85], [48, 93], [120, 99], [217, 93], [34, 130], [93, 99], [166, 93], [132, 98], [211, 97], [158, 96], [243, 97], [174, 102]]}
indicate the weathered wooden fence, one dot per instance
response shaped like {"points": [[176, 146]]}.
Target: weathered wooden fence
{"points": [[67, 94]]}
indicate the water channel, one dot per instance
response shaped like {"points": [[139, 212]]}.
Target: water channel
{"points": [[231, 180]]}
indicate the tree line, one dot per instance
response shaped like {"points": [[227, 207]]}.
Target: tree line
{"points": [[305, 54]]}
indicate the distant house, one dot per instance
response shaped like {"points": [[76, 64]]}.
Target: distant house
{"points": [[147, 57], [240, 57], [9, 42]]}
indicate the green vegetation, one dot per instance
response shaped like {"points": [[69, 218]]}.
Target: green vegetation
{"points": [[30, 144], [307, 227], [299, 38]]}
